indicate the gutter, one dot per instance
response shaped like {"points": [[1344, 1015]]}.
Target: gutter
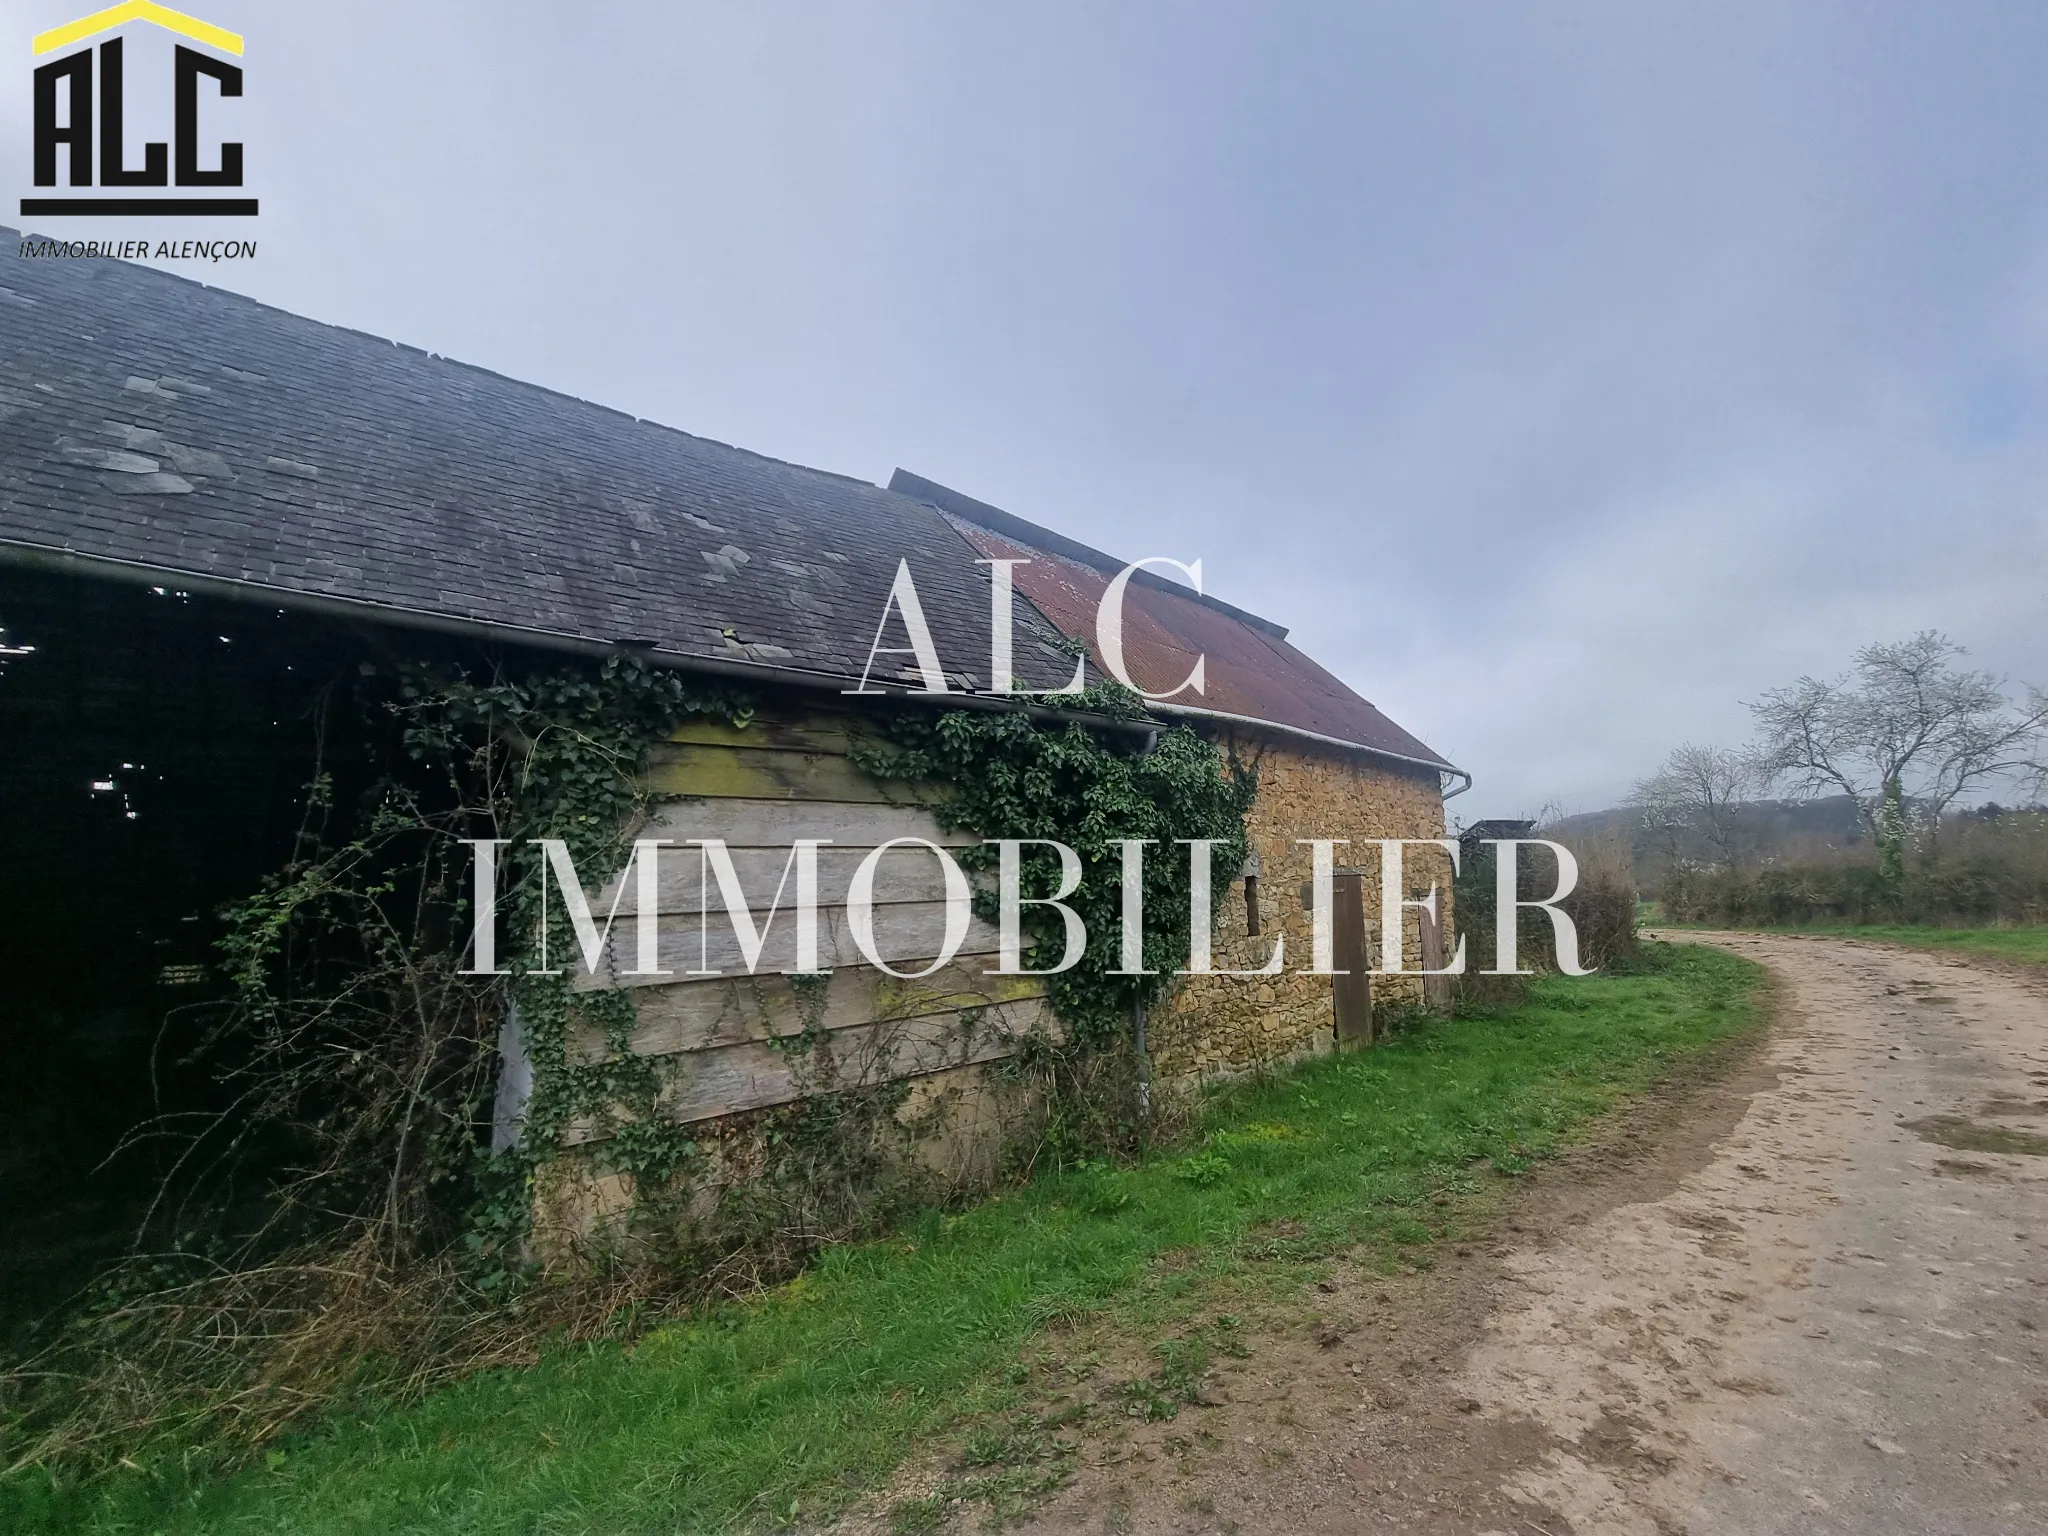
{"points": [[237, 589], [1161, 706]]}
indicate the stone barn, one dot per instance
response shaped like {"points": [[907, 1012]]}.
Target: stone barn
{"points": [[211, 510]]}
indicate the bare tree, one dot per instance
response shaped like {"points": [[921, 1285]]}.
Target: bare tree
{"points": [[1696, 800], [1904, 735]]}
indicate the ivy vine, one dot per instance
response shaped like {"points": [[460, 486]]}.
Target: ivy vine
{"points": [[362, 1046], [562, 753], [1011, 776], [364, 1056]]}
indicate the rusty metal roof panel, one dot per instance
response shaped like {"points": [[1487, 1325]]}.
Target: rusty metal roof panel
{"points": [[1251, 670]]}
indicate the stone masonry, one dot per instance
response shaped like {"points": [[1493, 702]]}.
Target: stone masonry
{"points": [[1212, 1027]]}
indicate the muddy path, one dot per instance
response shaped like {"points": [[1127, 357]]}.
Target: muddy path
{"points": [[1803, 1292]]}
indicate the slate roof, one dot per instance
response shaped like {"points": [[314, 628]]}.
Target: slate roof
{"points": [[1251, 673], [156, 427]]}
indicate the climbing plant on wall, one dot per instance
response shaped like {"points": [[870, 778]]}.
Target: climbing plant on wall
{"points": [[365, 1056], [562, 754], [380, 1051], [364, 1038], [1010, 775]]}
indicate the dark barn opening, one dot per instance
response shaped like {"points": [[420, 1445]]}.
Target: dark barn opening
{"points": [[155, 747]]}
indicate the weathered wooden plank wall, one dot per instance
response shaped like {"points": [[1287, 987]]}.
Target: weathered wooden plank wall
{"points": [[786, 776]]}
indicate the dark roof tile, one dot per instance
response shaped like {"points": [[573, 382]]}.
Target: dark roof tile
{"points": [[327, 464]]}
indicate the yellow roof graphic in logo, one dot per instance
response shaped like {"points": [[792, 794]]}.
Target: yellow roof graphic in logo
{"points": [[139, 10]]}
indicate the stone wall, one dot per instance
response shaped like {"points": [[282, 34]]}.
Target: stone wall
{"points": [[1212, 1027]]}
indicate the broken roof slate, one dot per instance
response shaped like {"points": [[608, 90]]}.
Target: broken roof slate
{"points": [[322, 463]]}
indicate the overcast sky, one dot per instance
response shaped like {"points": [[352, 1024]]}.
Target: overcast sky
{"points": [[1563, 375]]}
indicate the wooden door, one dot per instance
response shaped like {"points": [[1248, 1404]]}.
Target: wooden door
{"points": [[1351, 987], [1436, 990]]}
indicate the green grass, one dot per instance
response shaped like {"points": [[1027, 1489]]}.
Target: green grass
{"points": [[780, 1409], [2027, 945]]}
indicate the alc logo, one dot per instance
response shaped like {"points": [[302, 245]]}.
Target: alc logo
{"points": [[67, 90]]}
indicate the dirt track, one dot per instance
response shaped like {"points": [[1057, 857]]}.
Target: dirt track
{"points": [[1807, 1297]]}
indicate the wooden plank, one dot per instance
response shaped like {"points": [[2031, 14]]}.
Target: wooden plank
{"points": [[902, 874], [767, 773], [907, 935], [1351, 988], [815, 733], [732, 1011], [1436, 990], [776, 823], [752, 1075]]}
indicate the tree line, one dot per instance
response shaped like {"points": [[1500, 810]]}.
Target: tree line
{"points": [[1908, 734]]}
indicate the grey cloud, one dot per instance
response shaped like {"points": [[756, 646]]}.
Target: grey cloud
{"points": [[1563, 376]]}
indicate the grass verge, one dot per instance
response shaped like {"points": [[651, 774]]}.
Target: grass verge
{"points": [[779, 1411], [2025, 945]]}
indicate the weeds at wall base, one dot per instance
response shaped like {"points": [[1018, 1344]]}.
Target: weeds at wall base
{"points": [[728, 1414]]}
